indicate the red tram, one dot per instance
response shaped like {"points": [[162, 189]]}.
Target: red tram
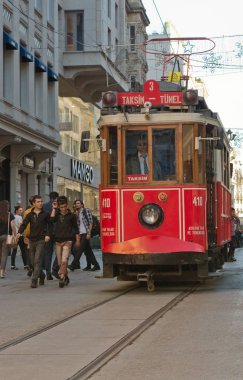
{"points": [[165, 197]]}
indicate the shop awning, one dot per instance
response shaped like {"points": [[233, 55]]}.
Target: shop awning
{"points": [[39, 65], [52, 76], [26, 56], [9, 42]]}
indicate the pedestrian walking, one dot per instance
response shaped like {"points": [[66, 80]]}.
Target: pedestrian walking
{"points": [[66, 231], [40, 231], [18, 210], [7, 226], [26, 234], [235, 224], [49, 246], [84, 217]]}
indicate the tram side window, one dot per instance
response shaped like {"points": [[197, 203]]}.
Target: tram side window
{"points": [[137, 152], [200, 156], [164, 159], [187, 146], [226, 168], [113, 163]]}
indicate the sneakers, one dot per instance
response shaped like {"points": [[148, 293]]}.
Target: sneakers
{"points": [[2, 273], [42, 279], [29, 273], [95, 268], [55, 274], [87, 269], [66, 280], [73, 267], [34, 283], [14, 267], [63, 281], [49, 277]]}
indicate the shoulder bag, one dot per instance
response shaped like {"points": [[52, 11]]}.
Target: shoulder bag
{"points": [[11, 240]]}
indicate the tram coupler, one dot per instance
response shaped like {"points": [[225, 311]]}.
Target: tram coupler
{"points": [[147, 277]]}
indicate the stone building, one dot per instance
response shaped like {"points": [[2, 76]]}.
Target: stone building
{"points": [[60, 49]]}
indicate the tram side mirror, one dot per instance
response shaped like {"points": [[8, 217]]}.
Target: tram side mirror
{"points": [[220, 142], [85, 138]]}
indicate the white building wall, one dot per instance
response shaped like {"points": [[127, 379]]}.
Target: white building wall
{"points": [[28, 100]]}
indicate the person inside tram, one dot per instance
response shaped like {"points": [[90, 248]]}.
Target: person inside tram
{"points": [[138, 163]]}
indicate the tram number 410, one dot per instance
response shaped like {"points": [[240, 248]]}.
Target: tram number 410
{"points": [[197, 201], [106, 203]]}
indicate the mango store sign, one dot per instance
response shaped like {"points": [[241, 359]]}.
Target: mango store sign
{"points": [[82, 171]]}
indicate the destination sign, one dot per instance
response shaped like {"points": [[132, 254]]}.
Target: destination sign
{"points": [[151, 94]]}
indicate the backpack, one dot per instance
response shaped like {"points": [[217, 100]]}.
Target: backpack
{"points": [[95, 224]]}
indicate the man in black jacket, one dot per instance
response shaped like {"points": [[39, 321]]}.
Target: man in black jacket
{"points": [[66, 231], [49, 246], [40, 232]]}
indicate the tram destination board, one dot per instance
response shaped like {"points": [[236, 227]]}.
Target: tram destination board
{"points": [[151, 94]]}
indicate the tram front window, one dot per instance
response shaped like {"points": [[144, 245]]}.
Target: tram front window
{"points": [[187, 153], [137, 161], [162, 152]]}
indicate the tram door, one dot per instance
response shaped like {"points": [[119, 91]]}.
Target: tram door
{"points": [[211, 189]]}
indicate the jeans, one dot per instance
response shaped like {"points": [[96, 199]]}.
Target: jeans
{"points": [[49, 247], [37, 250], [22, 247], [63, 251], [86, 248]]}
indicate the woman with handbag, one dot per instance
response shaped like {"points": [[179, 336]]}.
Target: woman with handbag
{"points": [[7, 227]]}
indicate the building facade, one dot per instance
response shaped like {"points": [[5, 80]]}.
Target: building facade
{"points": [[102, 52], [77, 174], [67, 50], [29, 134]]}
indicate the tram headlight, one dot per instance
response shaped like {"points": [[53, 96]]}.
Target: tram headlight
{"points": [[151, 215], [190, 97], [109, 99]]}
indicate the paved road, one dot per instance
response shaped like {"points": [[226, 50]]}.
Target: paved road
{"points": [[200, 338]]}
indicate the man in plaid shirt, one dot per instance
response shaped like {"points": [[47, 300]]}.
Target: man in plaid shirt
{"points": [[85, 221]]}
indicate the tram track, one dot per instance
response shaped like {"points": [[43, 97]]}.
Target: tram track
{"points": [[49, 326], [89, 370], [124, 329]]}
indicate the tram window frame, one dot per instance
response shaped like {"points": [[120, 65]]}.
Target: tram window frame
{"points": [[226, 168], [189, 162], [112, 158], [201, 132], [138, 178]]}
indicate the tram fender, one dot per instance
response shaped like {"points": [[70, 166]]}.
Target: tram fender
{"points": [[153, 244]]}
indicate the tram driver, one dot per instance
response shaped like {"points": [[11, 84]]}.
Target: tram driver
{"points": [[138, 163]]}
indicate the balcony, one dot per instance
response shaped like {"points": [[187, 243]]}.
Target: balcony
{"points": [[88, 74]]}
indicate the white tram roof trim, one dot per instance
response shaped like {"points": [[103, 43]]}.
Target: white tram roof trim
{"points": [[157, 118]]}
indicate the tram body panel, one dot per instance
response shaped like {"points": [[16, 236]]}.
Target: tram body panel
{"points": [[184, 211]]}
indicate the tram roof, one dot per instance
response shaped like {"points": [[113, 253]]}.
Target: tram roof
{"points": [[158, 117]]}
